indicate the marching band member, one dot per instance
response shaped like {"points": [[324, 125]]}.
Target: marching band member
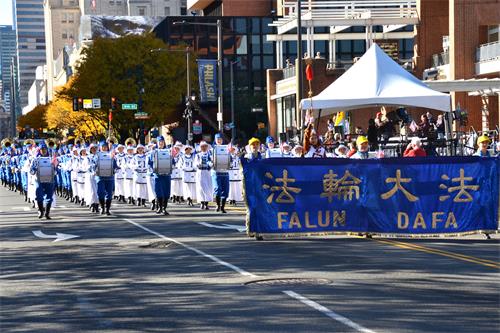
{"points": [[483, 142], [150, 178], [24, 166], [126, 166], [140, 168], [177, 173], [363, 147], [43, 166], [270, 145], [104, 166], [161, 162], [90, 191], [120, 174], [235, 181], [203, 163], [312, 144], [31, 177], [188, 175], [220, 181], [82, 152], [254, 153], [73, 167]]}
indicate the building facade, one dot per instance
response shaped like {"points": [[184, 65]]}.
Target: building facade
{"points": [[156, 7], [233, 7], [459, 40], [7, 52], [30, 29]]}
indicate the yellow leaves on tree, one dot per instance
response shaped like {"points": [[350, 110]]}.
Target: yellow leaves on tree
{"points": [[60, 115], [34, 119]]}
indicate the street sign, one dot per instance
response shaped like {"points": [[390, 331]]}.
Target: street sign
{"points": [[96, 103], [141, 115], [197, 127], [87, 103], [132, 106]]}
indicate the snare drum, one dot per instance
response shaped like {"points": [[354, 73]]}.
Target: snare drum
{"points": [[104, 165], [162, 163], [45, 172], [221, 158]]}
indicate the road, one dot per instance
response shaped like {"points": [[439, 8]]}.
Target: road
{"points": [[139, 272]]}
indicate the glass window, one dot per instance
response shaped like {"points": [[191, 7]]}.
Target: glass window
{"points": [[268, 62], [255, 26], [242, 63], [257, 80], [320, 46], [241, 44], [279, 115], [142, 11], [256, 63], [240, 25], [267, 47], [64, 34], [256, 44], [344, 46], [266, 29], [292, 47], [64, 18], [71, 18], [167, 11], [111, 2], [359, 46]]}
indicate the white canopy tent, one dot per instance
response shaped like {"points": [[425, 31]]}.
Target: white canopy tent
{"points": [[376, 80]]}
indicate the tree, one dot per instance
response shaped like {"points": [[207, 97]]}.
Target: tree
{"points": [[34, 119], [60, 115], [123, 68]]}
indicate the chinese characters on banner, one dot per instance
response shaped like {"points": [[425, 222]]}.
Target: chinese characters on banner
{"points": [[442, 195]]}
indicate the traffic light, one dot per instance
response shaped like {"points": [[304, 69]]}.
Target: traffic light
{"points": [[114, 103], [75, 103], [80, 103]]}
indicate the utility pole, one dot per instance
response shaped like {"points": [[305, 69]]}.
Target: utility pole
{"points": [[233, 129], [188, 104], [300, 82], [220, 106]]}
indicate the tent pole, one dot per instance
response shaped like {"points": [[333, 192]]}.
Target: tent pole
{"points": [[317, 121]]}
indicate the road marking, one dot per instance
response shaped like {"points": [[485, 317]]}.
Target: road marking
{"points": [[415, 247], [26, 209], [57, 237], [239, 228], [328, 312], [200, 252]]}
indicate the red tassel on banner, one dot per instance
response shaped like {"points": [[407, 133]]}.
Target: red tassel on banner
{"points": [[309, 73], [110, 116]]}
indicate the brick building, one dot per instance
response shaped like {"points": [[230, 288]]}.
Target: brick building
{"points": [[233, 7]]}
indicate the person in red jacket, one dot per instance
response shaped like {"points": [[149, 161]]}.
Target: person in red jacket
{"points": [[414, 149]]}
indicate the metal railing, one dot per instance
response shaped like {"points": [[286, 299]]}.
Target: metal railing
{"points": [[440, 59], [288, 72], [487, 52], [343, 9]]}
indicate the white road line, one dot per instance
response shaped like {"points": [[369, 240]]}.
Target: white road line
{"points": [[328, 312], [26, 209], [200, 252]]}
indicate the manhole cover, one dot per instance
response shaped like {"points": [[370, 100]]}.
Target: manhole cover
{"points": [[156, 245], [286, 281]]}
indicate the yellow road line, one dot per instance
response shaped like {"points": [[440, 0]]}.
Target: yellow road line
{"points": [[409, 246]]}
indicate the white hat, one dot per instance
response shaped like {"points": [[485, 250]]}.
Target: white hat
{"points": [[337, 150], [203, 143]]}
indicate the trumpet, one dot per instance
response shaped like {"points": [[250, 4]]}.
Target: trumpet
{"points": [[130, 142], [29, 142], [51, 143], [112, 140], [80, 141], [7, 142]]}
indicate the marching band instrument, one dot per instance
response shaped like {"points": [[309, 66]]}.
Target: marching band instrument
{"points": [[275, 152], [112, 140], [162, 163], [130, 142], [104, 164], [79, 141], [7, 142], [45, 170], [29, 142], [221, 158]]}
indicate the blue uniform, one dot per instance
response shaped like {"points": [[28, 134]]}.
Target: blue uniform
{"points": [[45, 190]]}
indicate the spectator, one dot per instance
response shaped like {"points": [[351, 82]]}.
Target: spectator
{"points": [[414, 149], [483, 142], [383, 125], [424, 126], [440, 126], [341, 151], [362, 144], [352, 149], [372, 134]]}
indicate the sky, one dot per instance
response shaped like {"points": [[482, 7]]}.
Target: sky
{"points": [[5, 12]]}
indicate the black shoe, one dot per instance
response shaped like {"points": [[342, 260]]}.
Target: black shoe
{"points": [[41, 211], [222, 205], [217, 200], [103, 209], [47, 211], [153, 204], [206, 205], [108, 206], [164, 207]]}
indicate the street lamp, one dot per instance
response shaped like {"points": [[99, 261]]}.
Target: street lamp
{"points": [[219, 64], [188, 88]]}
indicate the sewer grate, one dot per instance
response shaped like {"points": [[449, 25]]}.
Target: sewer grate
{"points": [[286, 282], [156, 245]]}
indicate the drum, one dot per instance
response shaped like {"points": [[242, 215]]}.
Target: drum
{"points": [[162, 163], [104, 165], [45, 172], [221, 158], [274, 152]]}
